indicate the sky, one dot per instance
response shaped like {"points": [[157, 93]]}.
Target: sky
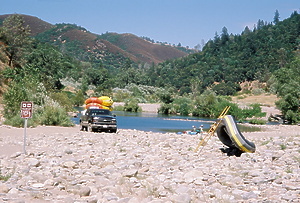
{"points": [[188, 22]]}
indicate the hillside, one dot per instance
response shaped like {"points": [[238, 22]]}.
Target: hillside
{"points": [[228, 60], [143, 50], [65, 36], [36, 25]]}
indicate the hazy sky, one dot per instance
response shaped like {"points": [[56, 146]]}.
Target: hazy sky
{"points": [[173, 21]]}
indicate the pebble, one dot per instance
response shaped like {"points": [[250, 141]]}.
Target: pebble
{"points": [[136, 166]]}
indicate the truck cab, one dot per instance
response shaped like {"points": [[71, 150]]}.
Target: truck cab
{"points": [[95, 119]]}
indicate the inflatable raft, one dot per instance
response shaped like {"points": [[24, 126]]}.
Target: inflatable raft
{"points": [[103, 102], [230, 135]]}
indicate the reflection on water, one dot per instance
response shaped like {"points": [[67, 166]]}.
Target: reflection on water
{"points": [[163, 123]]}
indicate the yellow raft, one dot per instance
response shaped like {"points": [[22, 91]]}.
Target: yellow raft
{"points": [[230, 135], [103, 102]]}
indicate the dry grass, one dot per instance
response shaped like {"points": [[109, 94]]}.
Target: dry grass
{"points": [[264, 99]]}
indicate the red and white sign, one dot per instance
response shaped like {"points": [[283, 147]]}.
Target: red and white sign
{"points": [[26, 109]]}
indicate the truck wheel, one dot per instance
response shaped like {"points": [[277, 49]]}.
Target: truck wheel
{"points": [[89, 128], [82, 128]]}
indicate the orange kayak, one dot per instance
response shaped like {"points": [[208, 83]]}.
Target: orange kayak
{"points": [[95, 100]]}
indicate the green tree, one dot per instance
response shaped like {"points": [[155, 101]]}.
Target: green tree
{"points": [[276, 17], [48, 64], [224, 35], [15, 35], [287, 86]]}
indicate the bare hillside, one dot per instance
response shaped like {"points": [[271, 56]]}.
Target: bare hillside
{"points": [[128, 45]]}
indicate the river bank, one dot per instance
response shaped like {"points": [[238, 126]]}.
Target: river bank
{"points": [[67, 165]]}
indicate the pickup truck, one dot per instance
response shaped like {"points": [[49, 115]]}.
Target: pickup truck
{"points": [[98, 120]]}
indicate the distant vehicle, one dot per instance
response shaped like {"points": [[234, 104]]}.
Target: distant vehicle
{"points": [[95, 119]]}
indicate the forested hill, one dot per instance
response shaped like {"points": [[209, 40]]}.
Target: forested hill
{"points": [[113, 50], [229, 59], [66, 63]]}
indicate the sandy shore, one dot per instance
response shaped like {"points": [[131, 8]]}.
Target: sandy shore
{"points": [[146, 107], [63, 164], [67, 165], [16, 135]]}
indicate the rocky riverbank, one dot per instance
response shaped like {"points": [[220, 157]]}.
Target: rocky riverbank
{"points": [[66, 165]]}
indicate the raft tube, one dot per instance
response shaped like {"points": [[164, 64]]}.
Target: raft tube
{"points": [[98, 106], [106, 107], [93, 100], [106, 101], [94, 105], [230, 135]]}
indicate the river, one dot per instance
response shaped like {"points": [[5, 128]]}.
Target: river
{"points": [[163, 123]]}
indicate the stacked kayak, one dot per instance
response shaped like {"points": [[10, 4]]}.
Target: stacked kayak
{"points": [[103, 102]]}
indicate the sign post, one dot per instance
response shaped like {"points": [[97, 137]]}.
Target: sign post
{"points": [[26, 112]]}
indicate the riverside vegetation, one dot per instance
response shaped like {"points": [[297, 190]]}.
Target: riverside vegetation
{"points": [[199, 84]]}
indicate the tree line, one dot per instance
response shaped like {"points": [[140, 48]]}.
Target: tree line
{"points": [[39, 71]]}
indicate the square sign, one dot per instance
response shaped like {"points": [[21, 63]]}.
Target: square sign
{"points": [[26, 109]]}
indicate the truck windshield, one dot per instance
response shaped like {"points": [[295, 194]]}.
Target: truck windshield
{"points": [[100, 112]]}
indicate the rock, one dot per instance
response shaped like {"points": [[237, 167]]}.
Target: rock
{"points": [[85, 191], [38, 185], [33, 162], [70, 164], [130, 173], [13, 191], [49, 182], [4, 188], [181, 198], [15, 155], [249, 195], [190, 176]]}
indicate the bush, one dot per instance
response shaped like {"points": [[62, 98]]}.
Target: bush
{"points": [[258, 91], [17, 121], [254, 110], [292, 117], [183, 105], [132, 106], [119, 108], [45, 110], [164, 109], [56, 116], [78, 98], [256, 121], [64, 100]]}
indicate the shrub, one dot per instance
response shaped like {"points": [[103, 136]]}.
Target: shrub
{"points": [[256, 121], [63, 98], [78, 98], [292, 117], [55, 115], [183, 105], [119, 108], [132, 106], [5, 177], [45, 110], [258, 91], [164, 109], [17, 121], [254, 110]]}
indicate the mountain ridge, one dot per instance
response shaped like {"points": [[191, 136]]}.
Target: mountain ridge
{"points": [[128, 45]]}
